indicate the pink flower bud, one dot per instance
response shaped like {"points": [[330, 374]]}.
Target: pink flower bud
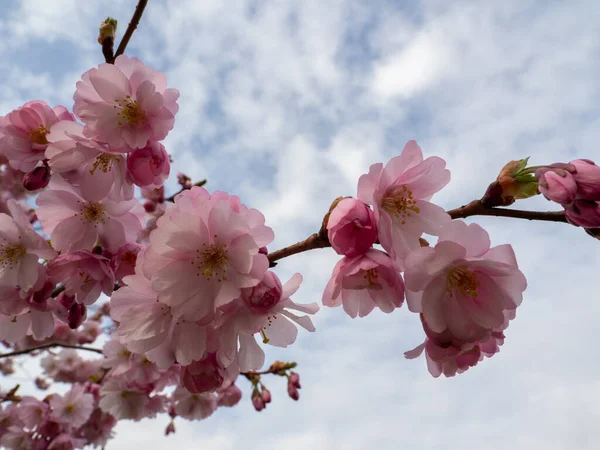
{"points": [[557, 185], [37, 178], [149, 166], [77, 315], [584, 213], [257, 401], [351, 227], [265, 295], [587, 178], [203, 376], [293, 391], [229, 396], [266, 395], [294, 379], [41, 383], [170, 429], [149, 207]]}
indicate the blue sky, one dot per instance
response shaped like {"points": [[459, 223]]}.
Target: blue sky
{"points": [[286, 103]]}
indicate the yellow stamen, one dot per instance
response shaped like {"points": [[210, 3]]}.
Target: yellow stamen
{"points": [[371, 276], [212, 261], [131, 112], [104, 162], [11, 255], [463, 280], [38, 136], [399, 204]]}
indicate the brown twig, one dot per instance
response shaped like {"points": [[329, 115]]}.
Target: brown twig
{"points": [[172, 197], [47, 346], [474, 208], [135, 20]]}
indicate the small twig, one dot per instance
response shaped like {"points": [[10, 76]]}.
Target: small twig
{"points": [[135, 20], [47, 346], [476, 208], [172, 197]]}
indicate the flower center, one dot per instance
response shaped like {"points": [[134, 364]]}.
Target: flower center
{"points": [[212, 261], [399, 204], [104, 162], [38, 136], [93, 213], [10, 255], [131, 112], [371, 276], [463, 280], [69, 408]]}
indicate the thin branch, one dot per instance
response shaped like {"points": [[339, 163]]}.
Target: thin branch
{"points": [[476, 208], [47, 346], [172, 197], [135, 20]]}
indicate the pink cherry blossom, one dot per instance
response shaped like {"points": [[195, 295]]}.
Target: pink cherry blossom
{"points": [[451, 358], [266, 309], [364, 282], [125, 103], [202, 254], [462, 285], [206, 375], [74, 408], [194, 406], [32, 412], [125, 401], [400, 195], [76, 222], [84, 274], [20, 249], [351, 227], [123, 260], [24, 133], [96, 168], [229, 396], [149, 166]]}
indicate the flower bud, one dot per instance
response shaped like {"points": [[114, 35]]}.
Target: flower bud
{"points": [[37, 178], [514, 182], [294, 379], [265, 295], [76, 315], [557, 185], [584, 213], [293, 392], [266, 395], [41, 383], [170, 429], [587, 177], [351, 227], [203, 376], [149, 166], [257, 400]]}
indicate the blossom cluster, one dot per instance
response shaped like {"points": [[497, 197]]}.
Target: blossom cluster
{"points": [[189, 276]]}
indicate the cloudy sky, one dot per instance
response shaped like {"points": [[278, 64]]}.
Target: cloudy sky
{"points": [[286, 103]]}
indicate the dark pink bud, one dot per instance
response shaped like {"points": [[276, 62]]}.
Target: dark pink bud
{"points": [[170, 429], [263, 250], [351, 227], [149, 166], [65, 300], [149, 207], [36, 179], [584, 213], [265, 295], [294, 379], [293, 392], [206, 375], [257, 401], [266, 395], [77, 315], [587, 177], [41, 383], [43, 294]]}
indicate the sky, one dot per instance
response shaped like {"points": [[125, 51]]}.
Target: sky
{"points": [[286, 103]]}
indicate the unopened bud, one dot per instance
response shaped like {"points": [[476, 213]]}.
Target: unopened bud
{"points": [[170, 429], [514, 182], [150, 207], [108, 29], [37, 178], [41, 383], [77, 315], [293, 392], [257, 401], [266, 395], [294, 379]]}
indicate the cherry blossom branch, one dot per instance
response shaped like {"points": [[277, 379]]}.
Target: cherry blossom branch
{"points": [[47, 346], [474, 208], [184, 188], [135, 20]]}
